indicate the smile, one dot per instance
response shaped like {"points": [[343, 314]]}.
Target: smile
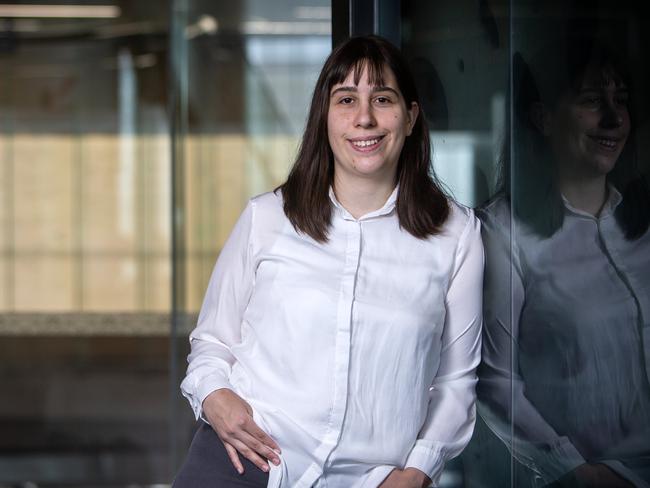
{"points": [[366, 144], [606, 142]]}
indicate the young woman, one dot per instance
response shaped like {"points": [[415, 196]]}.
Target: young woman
{"points": [[339, 336], [567, 289]]}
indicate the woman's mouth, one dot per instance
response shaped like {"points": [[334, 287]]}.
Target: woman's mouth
{"points": [[606, 143], [366, 144]]}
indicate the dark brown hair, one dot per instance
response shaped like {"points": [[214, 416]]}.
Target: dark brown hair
{"points": [[527, 168], [422, 206]]}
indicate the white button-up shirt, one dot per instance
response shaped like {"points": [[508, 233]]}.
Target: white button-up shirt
{"points": [[566, 346], [358, 355]]}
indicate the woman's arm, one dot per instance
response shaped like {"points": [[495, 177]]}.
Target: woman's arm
{"points": [[219, 324], [451, 415], [207, 385], [501, 390]]}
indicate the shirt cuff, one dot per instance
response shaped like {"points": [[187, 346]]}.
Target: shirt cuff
{"points": [[199, 389], [427, 457], [558, 459]]}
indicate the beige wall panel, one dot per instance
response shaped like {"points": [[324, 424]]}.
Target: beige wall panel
{"points": [[157, 283], [153, 150], [44, 283], [108, 196], [6, 225], [110, 283], [192, 167], [195, 285], [6, 284], [44, 202], [270, 159], [5, 191], [233, 191]]}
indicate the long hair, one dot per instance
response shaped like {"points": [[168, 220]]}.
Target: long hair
{"points": [[422, 206], [527, 170]]}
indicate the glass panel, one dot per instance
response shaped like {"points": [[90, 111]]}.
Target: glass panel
{"points": [[459, 52], [556, 165], [245, 72], [576, 203], [84, 244]]}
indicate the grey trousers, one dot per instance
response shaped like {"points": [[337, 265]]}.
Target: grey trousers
{"points": [[207, 465]]}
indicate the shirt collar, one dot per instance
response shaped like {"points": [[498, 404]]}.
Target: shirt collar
{"points": [[614, 198], [387, 208]]}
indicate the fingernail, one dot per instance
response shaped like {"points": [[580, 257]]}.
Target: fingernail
{"points": [[265, 468], [240, 471], [276, 461]]}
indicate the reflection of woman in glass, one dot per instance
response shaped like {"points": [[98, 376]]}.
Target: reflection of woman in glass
{"points": [[567, 357], [339, 336]]}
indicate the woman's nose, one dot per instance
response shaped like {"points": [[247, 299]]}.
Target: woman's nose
{"points": [[365, 116], [613, 115]]}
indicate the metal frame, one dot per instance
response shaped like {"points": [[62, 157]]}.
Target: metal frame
{"points": [[362, 17]]}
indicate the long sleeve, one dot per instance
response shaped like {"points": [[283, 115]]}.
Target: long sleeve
{"points": [[219, 323], [451, 413], [502, 392]]}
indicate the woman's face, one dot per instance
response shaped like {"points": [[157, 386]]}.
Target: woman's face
{"points": [[367, 126], [587, 129]]}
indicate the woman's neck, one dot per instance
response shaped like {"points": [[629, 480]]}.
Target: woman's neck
{"points": [[588, 195], [361, 196]]}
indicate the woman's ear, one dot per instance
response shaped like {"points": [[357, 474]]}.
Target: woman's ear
{"points": [[540, 118], [413, 113]]}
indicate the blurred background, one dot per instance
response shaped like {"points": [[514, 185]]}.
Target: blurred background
{"points": [[131, 135]]}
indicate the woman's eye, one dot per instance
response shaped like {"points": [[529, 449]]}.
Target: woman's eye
{"points": [[621, 100], [592, 101], [382, 100], [346, 100]]}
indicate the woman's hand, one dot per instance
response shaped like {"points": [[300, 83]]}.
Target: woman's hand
{"points": [[595, 476], [406, 478], [232, 419]]}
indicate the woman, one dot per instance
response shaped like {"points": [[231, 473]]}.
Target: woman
{"points": [[565, 365], [338, 340]]}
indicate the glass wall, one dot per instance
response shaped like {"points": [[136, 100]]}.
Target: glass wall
{"points": [[85, 232], [459, 51], [243, 77], [538, 115], [573, 406], [131, 135]]}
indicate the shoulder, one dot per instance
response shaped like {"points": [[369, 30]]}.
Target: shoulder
{"points": [[495, 214], [266, 206], [269, 201], [497, 208], [463, 232], [267, 213], [461, 222]]}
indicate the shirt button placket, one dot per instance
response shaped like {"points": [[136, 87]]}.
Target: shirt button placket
{"points": [[343, 335]]}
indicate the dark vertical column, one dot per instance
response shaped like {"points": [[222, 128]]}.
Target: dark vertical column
{"points": [[341, 26], [178, 110], [362, 17], [388, 20]]}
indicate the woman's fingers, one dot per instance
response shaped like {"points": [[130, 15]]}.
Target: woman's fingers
{"points": [[245, 439], [232, 419], [259, 447], [250, 454], [254, 430], [248, 432], [234, 457]]}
